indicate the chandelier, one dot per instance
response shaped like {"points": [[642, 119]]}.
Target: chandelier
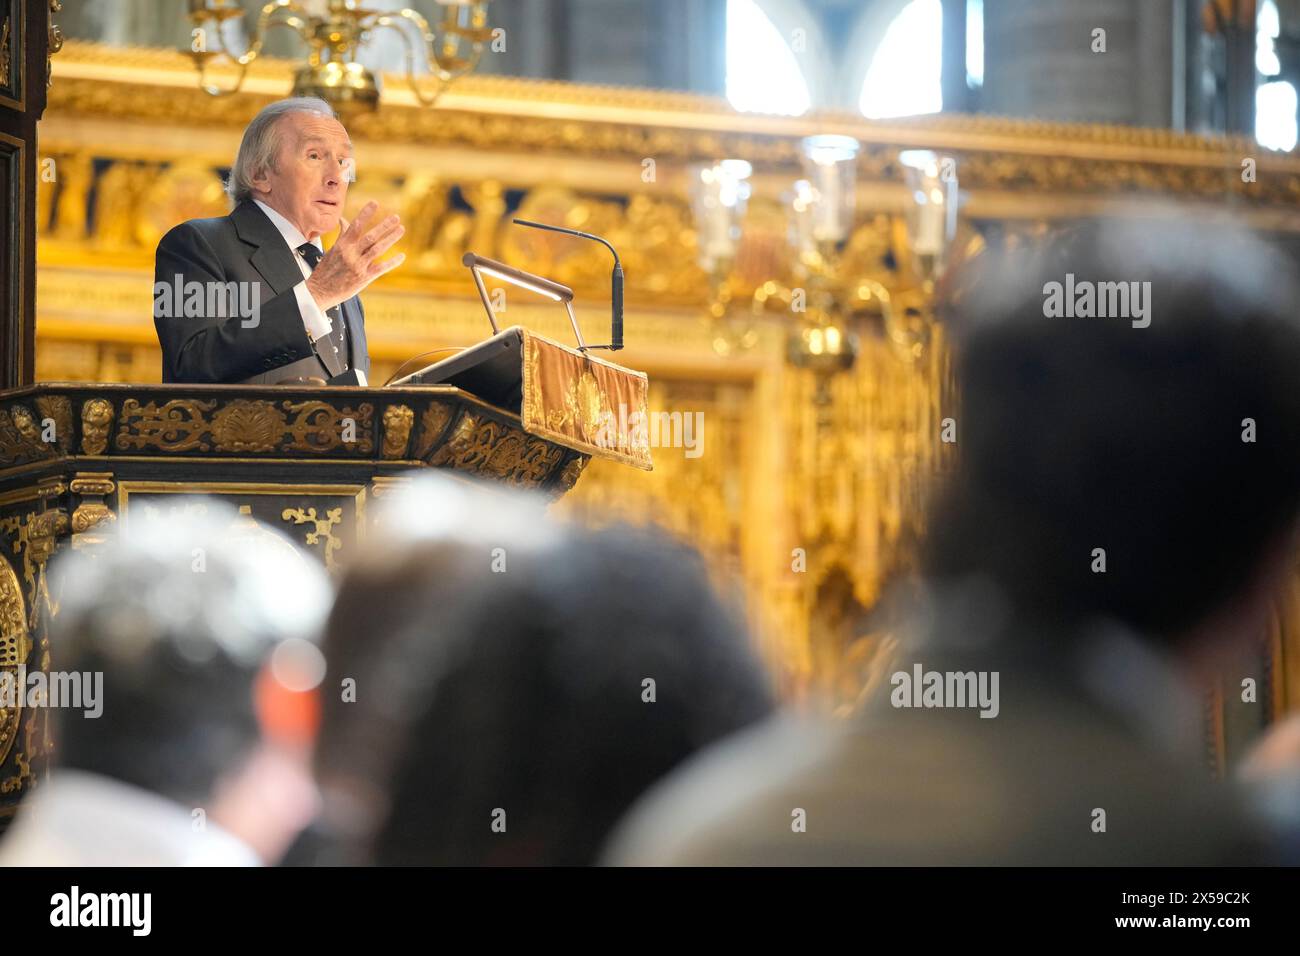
{"points": [[831, 298], [450, 49]]}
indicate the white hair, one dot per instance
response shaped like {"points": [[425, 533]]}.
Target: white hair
{"points": [[261, 142]]}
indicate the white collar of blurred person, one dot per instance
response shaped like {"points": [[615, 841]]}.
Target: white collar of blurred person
{"points": [[1144, 687], [433, 507], [964, 620], [84, 819], [292, 235]]}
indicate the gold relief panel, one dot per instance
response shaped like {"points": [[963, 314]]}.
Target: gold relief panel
{"points": [[96, 421], [321, 519], [35, 535], [433, 422], [185, 190], [119, 196], [626, 125], [486, 448], [21, 436], [44, 530], [238, 426], [92, 512], [54, 39], [15, 646], [244, 425], [58, 410], [13, 68], [6, 57], [398, 420], [320, 529]]}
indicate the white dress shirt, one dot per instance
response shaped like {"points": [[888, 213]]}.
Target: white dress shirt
{"points": [[314, 318]]}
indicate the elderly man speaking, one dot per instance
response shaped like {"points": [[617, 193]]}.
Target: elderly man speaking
{"points": [[252, 297]]}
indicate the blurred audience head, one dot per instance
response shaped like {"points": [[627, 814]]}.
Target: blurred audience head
{"points": [[516, 683], [204, 625], [1167, 436]]}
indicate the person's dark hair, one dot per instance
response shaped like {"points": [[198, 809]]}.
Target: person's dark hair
{"points": [[178, 617], [1083, 433], [524, 689]]}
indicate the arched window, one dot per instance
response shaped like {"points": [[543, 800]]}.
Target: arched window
{"points": [[905, 75], [974, 43], [1275, 100], [762, 73]]}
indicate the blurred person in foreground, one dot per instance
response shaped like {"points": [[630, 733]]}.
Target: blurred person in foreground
{"points": [[503, 686], [204, 628], [1114, 530], [1270, 773]]}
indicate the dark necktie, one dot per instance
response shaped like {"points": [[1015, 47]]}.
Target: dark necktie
{"points": [[335, 344]]}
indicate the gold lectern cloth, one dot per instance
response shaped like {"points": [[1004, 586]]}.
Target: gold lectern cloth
{"points": [[584, 402]]}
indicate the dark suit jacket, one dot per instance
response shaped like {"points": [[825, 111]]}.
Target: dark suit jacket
{"points": [[242, 247]]}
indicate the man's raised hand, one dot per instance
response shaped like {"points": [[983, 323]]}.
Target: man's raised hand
{"points": [[353, 262]]}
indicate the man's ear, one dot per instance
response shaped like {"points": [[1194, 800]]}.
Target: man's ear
{"points": [[260, 183]]}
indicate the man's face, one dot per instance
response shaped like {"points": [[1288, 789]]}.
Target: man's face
{"points": [[309, 180]]}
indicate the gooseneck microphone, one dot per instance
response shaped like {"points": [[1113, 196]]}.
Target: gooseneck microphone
{"points": [[615, 281]]}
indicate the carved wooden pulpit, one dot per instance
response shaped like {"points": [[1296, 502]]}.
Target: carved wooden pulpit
{"points": [[77, 460]]}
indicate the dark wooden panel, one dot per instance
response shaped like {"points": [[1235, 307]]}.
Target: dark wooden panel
{"points": [[13, 29], [24, 68], [13, 168]]}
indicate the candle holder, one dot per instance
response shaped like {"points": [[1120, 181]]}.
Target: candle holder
{"points": [[719, 195], [331, 73]]}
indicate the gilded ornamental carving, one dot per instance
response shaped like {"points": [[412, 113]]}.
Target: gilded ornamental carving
{"points": [[96, 420], [15, 646], [245, 425], [20, 436], [398, 420], [322, 528], [995, 153], [487, 449], [433, 422]]}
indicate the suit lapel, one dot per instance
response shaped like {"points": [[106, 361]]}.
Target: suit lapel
{"points": [[272, 256]]}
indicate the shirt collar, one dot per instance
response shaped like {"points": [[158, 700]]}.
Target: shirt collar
{"points": [[287, 229]]}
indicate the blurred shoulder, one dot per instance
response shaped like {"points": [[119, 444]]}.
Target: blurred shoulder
{"points": [[715, 808]]}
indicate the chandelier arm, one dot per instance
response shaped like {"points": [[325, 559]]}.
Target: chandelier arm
{"points": [[475, 55], [213, 90], [430, 41], [478, 16], [390, 21], [264, 23]]}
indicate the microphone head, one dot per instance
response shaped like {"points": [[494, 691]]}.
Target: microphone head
{"points": [[616, 307]]}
